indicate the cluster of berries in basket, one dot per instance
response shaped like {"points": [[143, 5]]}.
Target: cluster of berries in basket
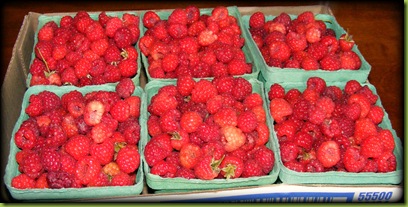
{"points": [[208, 129], [79, 140], [83, 51], [190, 43], [304, 42], [325, 128]]}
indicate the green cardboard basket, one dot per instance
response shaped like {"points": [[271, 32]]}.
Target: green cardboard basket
{"points": [[68, 193], [44, 18], [233, 10], [292, 177], [283, 75], [169, 184]]}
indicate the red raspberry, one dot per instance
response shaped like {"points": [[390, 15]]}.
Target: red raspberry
{"points": [[35, 106], [253, 100], [207, 168], [353, 160], [265, 158], [330, 62], [189, 45], [226, 116], [113, 24], [22, 181], [190, 121], [251, 169], [128, 159], [371, 147], [32, 165], [103, 152], [350, 60], [43, 50], [178, 139], [276, 91], [50, 159], [67, 163], [247, 121], [351, 87], [328, 153], [238, 67], [368, 93], [158, 148], [289, 151], [87, 169], [122, 179], [296, 42], [280, 109], [280, 51], [387, 139], [242, 88], [304, 140], [78, 146], [123, 37], [125, 88], [162, 102], [190, 154], [25, 138], [309, 63], [128, 68], [386, 162], [82, 67], [164, 169], [178, 16], [135, 104], [50, 100], [170, 121], [203, 90], [150, 18], [231, 167], [257, 20], [317, 84]]}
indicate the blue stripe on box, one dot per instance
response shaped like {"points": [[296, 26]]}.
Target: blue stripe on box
{"points": [[302, 197]]}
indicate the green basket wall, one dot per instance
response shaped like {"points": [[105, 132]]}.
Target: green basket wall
{"points": [[282, 75], [233, 10], [43, 19], [292, 177], [168, 184], [68, 193]]}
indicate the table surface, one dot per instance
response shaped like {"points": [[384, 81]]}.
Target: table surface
{"points": [[377, 29]]}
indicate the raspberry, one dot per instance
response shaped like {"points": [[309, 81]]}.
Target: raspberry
{"points": [[296, 42], [50, 159], [162, 102], [122, 179], [242, 88], [164, 169], [257, 20], [280, 51], [247, 121], [134, 103], [82, 67], [353, 160], [231, 167], [193, 14], [128, 68], [251, 169], [280, 109], [238, 67], [78, 146], [232, 137], [87, 169], [22, 181], [371, 147], [32, 165], [170, 121], [50, 100], [150, 18], [276, 91], [368, 93], [330, 62], [190, 154], [178, 16], [125, 88], [265, 158], [203, 90], [190, 121], [350, 60], [123, 37], [351, 87], [128, 159], [25, 138], [253, 100], [207, 168], [113, 24], [157, 148], [386, 162], [328, 153], [57, 180]]}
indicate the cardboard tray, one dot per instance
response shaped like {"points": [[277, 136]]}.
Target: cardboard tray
{"points": [[180, 184], [282, 75], [67, 193], [14, 87], [292, 177], [233, 10]]}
